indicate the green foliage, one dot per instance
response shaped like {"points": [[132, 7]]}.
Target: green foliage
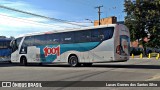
{"points": [[143, 19]]}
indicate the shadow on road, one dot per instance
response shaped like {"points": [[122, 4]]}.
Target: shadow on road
{"points": [[127, 66], [6, 64]]}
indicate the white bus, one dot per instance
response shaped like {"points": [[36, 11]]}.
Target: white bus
{"points": [[108, 43]]}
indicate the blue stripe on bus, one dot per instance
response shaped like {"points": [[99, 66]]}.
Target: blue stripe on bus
{"points": [[80, 47], [5, 52]]}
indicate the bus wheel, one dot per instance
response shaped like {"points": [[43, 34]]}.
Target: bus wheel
{"points": [[40, 64], [9, 62], [87, 64], [73, 61], [24, 61]]}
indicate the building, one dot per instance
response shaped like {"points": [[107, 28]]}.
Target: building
{"points": [[108, 20], [105, 21]]}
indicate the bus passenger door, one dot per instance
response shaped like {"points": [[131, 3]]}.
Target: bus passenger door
{"points": [[15, 56], [15, 51]]}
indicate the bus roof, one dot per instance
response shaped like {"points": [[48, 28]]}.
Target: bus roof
{"points": [[68, 30], [5, 39]]}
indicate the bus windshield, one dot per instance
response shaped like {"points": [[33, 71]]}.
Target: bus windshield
{"points": [[15, 43]]}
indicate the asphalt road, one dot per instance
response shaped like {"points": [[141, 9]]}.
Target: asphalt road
{"points": [[132, 70]]}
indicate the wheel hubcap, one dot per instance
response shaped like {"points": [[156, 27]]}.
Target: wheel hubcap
{"points": [[73, 61]]}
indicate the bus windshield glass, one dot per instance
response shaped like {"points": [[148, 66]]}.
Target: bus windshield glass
{"points": [[15, 43]]}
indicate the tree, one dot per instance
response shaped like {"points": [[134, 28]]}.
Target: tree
{"points": [[143, 20]]}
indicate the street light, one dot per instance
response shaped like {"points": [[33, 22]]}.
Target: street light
{"points": [[89, 20]]}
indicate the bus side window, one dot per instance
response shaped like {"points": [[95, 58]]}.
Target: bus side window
{"points": [[37, 40], [25, 42], [108, 32], [95, 35], [102, 34], [40, 40], [49, 39], [1, 46], [83, 36], [53, 38], [28, 41], [67, 37]]}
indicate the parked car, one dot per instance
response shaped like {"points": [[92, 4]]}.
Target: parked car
{"points": [[136, 51]]}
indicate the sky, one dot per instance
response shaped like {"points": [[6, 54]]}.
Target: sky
{"points": [[76, 11]]}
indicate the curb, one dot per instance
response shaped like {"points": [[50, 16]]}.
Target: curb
{"points": [[145, 58]]}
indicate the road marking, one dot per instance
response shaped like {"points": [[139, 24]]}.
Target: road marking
{"points": [[156, 77]]}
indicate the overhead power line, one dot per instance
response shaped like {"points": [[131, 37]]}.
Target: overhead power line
{"points": [[37, 15], [30, 21]]}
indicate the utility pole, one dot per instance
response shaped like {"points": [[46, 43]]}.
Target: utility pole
{"points": [[99, 13]]}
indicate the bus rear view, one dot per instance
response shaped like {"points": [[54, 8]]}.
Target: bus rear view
{"points": [[122, 43]]}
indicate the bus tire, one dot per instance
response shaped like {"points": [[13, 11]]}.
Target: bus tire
{"points": [[73, 61], [24, 61], [40, 64], [87, 64], [10, 62]]}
